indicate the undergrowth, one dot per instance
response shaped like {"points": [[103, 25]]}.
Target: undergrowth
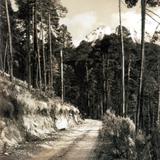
{"points": [[118, 141]]}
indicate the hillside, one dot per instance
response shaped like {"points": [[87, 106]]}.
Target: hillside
{"points": [[28, 115]]}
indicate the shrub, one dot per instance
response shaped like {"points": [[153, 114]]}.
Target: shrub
{"points": [[117, 137], [155, 143]]}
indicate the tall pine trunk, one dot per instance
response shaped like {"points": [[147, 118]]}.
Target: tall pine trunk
{"points": [[108, 100], [28, 46], [139, 100], [43, 55], [123, 62], [128, 80], [87, 80], [34, 62], [38, 54], [1, 62], [10, 39], [62, 76], [36, 50], [39, 65], [101, 106], [5, 56], [50, 53], [104, 81], [35, 44], [158, 116]]}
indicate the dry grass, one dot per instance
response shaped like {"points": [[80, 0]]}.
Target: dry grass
{"points": [[31, 113]]}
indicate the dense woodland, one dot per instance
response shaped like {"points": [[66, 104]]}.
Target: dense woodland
{"points": [[113, 73]]}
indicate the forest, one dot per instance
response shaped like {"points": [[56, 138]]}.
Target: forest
{"points": [[114, 73]]}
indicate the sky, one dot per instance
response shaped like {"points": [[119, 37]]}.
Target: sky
{"points": [[86, 15]]}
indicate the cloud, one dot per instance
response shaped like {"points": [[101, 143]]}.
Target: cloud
{"points": [[85, 20], [80, 25], [132, 20]]}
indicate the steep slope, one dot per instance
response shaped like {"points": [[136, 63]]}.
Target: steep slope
{"points": [[30, 115]]}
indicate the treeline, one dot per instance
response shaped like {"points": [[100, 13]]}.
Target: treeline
{"points": [[31, 40], [93, 81]]}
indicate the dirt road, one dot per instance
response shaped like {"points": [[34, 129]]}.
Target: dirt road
{"points": [[76, 144]]}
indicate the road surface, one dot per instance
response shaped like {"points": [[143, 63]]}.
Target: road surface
{"points": [[77, 144]]}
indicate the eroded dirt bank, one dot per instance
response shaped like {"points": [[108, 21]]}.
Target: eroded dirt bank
{"points": [[27, 116]]}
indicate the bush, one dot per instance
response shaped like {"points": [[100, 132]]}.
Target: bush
{"points": [[155, 143], [117, 137]]}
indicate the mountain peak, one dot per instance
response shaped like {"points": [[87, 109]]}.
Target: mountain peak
{"points": [[98, 33]]}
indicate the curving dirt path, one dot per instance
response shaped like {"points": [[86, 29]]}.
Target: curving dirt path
{"points": [[76, 144]]}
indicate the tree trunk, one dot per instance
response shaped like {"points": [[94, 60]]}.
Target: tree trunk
{"points": [[10, 40], [37, 85], [108, 100], [34, 67], [43, 54], [36, 49], [101, 104], [50, 51], [88, 96], [34, 60], [158, 116], [8, 63], [28, 45], [1, 62], [38, 55], [62, 81], [104, 80], [128, 79], [139, 100], [39, 67], [35, 43], [5, 55], [123, 63]]}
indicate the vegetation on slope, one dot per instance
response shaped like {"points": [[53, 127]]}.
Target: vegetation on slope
{"points": [[25, 116]]}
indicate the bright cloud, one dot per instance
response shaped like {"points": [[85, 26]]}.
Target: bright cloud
{"points": [[86, 17], [132, 20], [80, 25]]}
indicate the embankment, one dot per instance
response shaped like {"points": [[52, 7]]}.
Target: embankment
{"points": [[29, 115]]}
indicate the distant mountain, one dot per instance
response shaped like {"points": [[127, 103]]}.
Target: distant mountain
{"points": [[98, 33]]}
